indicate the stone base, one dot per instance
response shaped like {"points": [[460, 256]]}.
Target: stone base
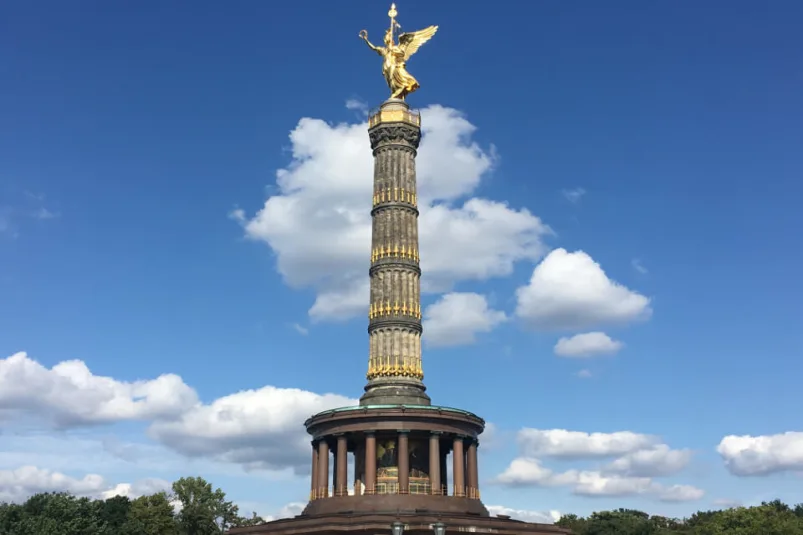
{"points": [[394, 394], [396, 503], [418, 522]]}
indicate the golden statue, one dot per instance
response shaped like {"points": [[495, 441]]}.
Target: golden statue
{"points": [[395, 56]]}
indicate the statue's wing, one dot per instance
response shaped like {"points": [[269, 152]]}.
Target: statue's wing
{"points": [[411, 42]]}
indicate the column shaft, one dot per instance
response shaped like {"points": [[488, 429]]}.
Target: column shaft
{"points": [[342, 466], [359, 464], [323, 469], [314, 479], [370, 464], [435, 463], [458, 467], [473, 474], [404, 463]]}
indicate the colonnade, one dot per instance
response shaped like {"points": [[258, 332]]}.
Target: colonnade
{"points": [[465, 475]]}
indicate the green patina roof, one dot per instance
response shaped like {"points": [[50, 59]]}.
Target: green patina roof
{"points": [[416, 407]]}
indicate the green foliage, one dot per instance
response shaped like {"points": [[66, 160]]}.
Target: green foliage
{"points": [[769, 518], [196, 508], [202, 511]]}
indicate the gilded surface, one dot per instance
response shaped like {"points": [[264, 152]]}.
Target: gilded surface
{"points": [[395, 55], [395, 367], [394, 195]]}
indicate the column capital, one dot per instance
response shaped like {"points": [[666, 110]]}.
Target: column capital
{"points": [[436, 433], [369, 433], [403, 431]]}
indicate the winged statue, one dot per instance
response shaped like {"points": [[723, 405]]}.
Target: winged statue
{"points": [[395, 55]]}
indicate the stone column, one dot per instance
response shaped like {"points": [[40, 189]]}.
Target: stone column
{"points": [[395, 374], [342, 466], [435, 463], [314, 482], [323, 469], [458, 467], [403, 453], [370, 463], [473, 474], [359, 466]]}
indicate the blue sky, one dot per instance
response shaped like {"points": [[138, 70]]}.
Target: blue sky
{"points": [[140, 142]]}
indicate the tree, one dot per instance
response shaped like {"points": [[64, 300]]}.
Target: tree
{"points": [[203, 511], [151, 515]]}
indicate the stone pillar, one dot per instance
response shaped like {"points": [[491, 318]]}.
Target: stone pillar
{"points": [[342, 466], [458, 467], [435, 463], [403, 453], [395, 374], [473, 473], [359, 466], [314, 483], [370, 463], [323, 469]]}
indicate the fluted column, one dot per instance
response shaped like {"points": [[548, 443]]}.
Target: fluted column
{"points": [[314, 478], [370, 463], [458, 467], [395, 372], [473, 474], [403, 452], [323, 469], [435, 463], [342, 466]]}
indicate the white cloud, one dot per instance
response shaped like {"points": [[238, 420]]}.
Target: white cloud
{"points": [[571, 291], [457, 318], [573, 195], [584, 374], [638, 460], [538, 517], [561, 443], [658, 460], [144, 487], [69, 394], [587, 345], [259, 429], [525, 471], [255, 428], [17, 485], [319, 223], [764, 454]]}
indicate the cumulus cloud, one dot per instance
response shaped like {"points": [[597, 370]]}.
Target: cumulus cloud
{"points": [[525, 471], [69, 394], [258, 429], [457, 318], [587, 345], [658, 460], [19, 484], [143, 487], [562, 443], [319, 224], [571, 291], [761, 455], [638, 459], [538, 517]]}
